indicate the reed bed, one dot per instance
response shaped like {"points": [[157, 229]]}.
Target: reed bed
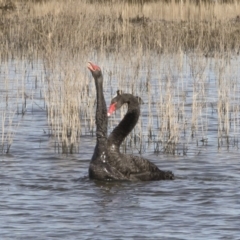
{"points": [[18, 94], [178, 56], [70, 105], [116, 26]]}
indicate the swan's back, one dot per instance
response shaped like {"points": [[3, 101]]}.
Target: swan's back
{"points": [[138, 168]]}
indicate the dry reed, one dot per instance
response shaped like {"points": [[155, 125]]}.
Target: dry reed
{"points": [[68, 105], [80, 26], [160, 51], [16, 96]]}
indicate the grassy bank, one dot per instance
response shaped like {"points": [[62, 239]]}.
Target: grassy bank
{"points": [[38, 26], [161, 51]]}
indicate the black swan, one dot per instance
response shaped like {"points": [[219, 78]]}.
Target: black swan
{"points": [[134, 167], [99, 166]]}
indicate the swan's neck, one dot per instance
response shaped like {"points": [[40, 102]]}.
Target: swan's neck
{"points": [[124, 127], [101, 114]]}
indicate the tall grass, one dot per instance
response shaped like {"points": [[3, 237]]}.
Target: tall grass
{"points": [[69, 105], [17, 93], [114, 27], [162, 51]]}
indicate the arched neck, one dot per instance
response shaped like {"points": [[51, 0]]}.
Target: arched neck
{"points": [[126, 125]]}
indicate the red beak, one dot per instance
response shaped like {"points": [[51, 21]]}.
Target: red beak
{"points": [[92, 67], [111, 109]]}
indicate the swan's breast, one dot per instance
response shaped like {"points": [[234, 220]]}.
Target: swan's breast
{"points": [[113, 147], [103, 157]]}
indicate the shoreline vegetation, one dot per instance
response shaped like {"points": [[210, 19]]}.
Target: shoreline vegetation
{"points": [[172, 39], [112, 26]]}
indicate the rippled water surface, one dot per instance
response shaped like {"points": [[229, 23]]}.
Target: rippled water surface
{"points": [[46, 195]]}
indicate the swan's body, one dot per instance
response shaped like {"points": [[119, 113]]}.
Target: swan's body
{"points": [[107, 162], [99, 166], [133, 167]]}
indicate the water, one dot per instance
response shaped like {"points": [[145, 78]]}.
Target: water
{"points": [[47, 195]]}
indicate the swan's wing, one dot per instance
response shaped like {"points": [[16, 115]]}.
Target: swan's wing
{"points": [[151, 176], [103, 171], [144, 170]]}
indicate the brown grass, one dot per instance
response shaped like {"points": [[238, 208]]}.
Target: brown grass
{"points": [[143, 49], [80, 26]]}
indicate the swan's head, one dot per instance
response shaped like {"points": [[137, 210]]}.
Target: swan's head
{"points": [[116, 103], [121, 99], [95, 69]]}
